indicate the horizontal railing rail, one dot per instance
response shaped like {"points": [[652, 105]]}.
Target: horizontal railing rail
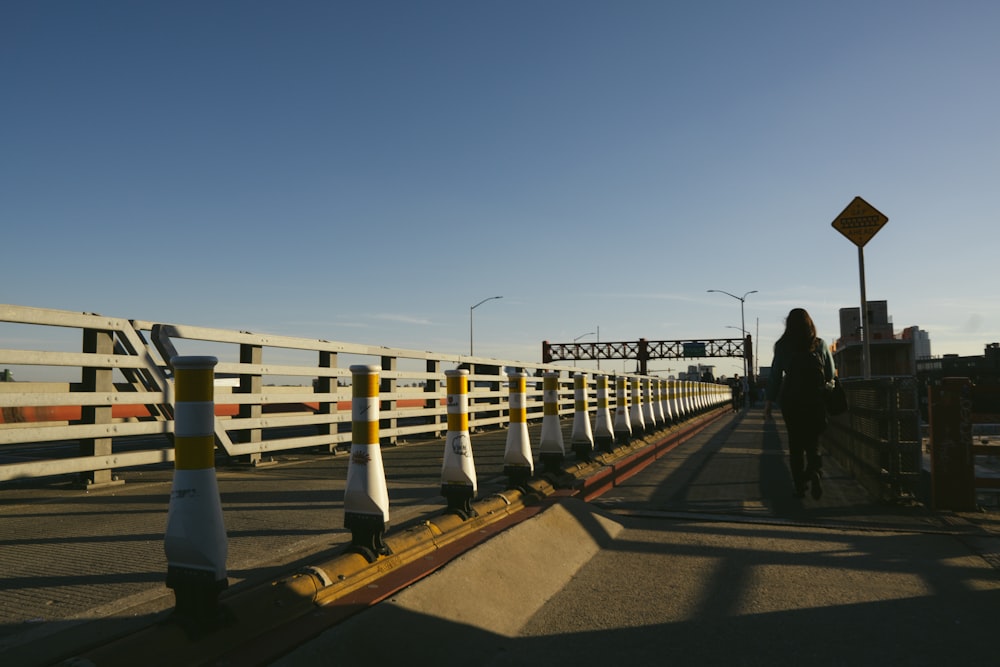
{"points": [[273, 393]]}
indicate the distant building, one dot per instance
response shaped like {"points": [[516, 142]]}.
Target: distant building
{"points": [[921, 342], [890, 354], [983, 371], [698, 373]]}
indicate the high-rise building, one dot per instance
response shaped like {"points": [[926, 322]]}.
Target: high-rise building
{"points": [[889, 355]]}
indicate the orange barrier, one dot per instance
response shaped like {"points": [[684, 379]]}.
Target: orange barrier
{"points": [[70, 413]]}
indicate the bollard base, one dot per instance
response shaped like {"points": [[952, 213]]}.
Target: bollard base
{"points": [[460, 497], [196, 595], [517, 476], [367, 535], [622, 438], [605, 444], [583, 450], [551, 462]]}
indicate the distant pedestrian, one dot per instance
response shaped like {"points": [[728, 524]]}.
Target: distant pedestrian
{"points": [[736, 387], [801, 368]]}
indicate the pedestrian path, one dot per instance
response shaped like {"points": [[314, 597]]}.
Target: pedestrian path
{"points": [[76, 565], [705, 559]]}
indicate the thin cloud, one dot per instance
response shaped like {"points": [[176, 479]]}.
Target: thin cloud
{"points": [[403, 319]]}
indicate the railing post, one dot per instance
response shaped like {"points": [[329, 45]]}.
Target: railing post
{"points": [[388, 386], [431, 386], [251, 383], [953, 477], [327, 385], [97, 380]]}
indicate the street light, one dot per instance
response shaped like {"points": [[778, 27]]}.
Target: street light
{"points": [[743, 324], [490, 298]]}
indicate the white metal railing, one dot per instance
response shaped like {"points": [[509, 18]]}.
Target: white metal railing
{"points": [[274, 393]]}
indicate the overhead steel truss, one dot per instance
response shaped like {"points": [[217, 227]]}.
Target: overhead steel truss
{"points": [[644, 350]]}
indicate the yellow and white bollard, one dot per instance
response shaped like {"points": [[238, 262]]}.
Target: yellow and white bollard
{"points": [[517, 463], [657, 403], [664, 402], [551, 449], [623, 425], [635, 410], [195, 542], [676, 409], [366, 498], [648, 416], [582, 438], [604, 434], [458, 472]]}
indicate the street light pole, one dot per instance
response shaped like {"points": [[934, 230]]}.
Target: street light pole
{"points": [[743, 324], [489, 298]]}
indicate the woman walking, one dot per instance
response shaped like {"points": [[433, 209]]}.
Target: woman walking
{"points": [[801, 368]]}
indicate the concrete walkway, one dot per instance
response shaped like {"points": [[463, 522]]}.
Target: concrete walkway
{"points": [[703, 559], [706, 548]]}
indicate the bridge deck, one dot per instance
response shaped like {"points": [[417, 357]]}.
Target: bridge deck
{"points": [[76, 565]]}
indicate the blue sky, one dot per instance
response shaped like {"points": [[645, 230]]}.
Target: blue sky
{"points": [[367, 171]]}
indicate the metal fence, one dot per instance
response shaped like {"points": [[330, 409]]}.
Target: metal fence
{"points": [[273, 393], [879, 439]]}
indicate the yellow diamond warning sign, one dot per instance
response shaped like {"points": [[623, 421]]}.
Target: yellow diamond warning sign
{"points": [[859, 222]]}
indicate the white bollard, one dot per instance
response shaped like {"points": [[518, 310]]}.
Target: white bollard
{"points": [[623, 425], [582, 438], [551, 449], [604, 434], [635, 410], [677, 400], [648, 417], [518, 465], [661, 419], [366, 498], [458, 471], [195, 541], [665, 402]]}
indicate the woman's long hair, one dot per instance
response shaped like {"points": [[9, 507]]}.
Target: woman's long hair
{"points": [[800, 331]]}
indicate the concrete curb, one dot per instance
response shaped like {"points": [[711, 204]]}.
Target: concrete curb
{"points": [[492, 591], [261, 609]]}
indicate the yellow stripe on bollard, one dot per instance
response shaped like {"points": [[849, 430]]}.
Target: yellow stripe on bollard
{"points": [[364, 433], [194, 384], [458, 401], [194, 452]]}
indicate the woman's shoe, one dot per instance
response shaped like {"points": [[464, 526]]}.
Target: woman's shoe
{"points": [[817, 487]]}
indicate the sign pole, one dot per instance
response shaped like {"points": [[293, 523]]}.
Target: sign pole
{"points": [[859, 222], [866, 340]]}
